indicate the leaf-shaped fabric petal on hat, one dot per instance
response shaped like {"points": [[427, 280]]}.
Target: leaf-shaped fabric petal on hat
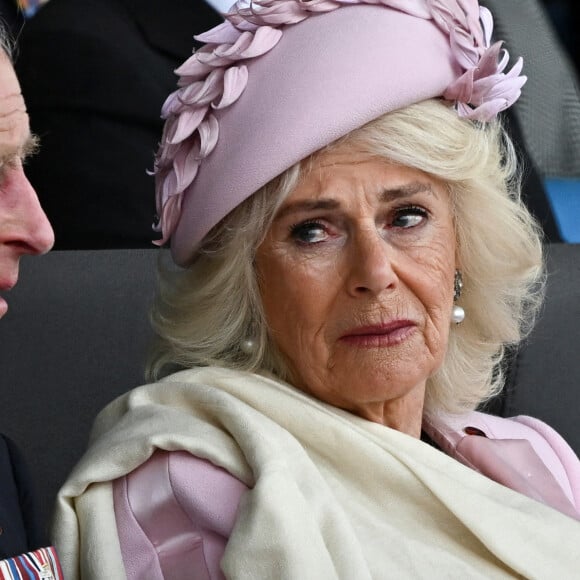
{"points": [[264, 39], [235, 81], [203, 92], [442, 15], [487, 24], [275, 13], [208, 136], [186, 124], [224, 33], [169, 218], [233, 51], [185, 166], [464, 50], [487, 111], [171, 105], [462, 89], [193, 67], [488, 64], [168, 187], [211, 59], [166, 154], [471, 20]]}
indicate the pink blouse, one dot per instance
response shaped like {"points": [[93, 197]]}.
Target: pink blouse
{"points": [[174, 513]]}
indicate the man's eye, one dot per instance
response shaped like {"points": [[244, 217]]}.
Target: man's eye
{"points": [[308, 233], [409, 217]]}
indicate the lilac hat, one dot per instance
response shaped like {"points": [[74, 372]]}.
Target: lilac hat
{"points": [[283, 78]]}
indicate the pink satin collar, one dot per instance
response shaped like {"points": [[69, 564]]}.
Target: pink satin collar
{"points": [[512, 462]]}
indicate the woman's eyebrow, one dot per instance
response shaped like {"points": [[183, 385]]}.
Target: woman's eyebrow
{"points": [[407, 190], [307, 205], [386, 195]]}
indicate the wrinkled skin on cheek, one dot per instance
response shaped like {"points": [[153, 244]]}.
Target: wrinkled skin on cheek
{"points": [[356, 276]]}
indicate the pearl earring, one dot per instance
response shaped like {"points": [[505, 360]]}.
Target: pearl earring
{"points": [[458, 313], [248, 346]]}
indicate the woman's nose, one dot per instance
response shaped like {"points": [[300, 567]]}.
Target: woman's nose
{"points": [[371, 268], [29, 229]]}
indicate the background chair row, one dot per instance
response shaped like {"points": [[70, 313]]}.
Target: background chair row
{"points": [[77, 336]]}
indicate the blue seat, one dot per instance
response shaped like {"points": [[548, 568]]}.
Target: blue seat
{"points": [[564, 197]]}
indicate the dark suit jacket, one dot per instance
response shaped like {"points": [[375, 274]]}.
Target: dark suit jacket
{"points": [[19, 531], [94, 76]]}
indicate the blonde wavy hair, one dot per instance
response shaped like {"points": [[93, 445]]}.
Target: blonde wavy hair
{"points": [[203, 314]]}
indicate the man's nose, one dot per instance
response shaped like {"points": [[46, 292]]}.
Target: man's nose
{"points": [[30, 229]]}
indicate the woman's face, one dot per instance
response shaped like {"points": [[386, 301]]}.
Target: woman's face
{"points": [[356, 277]]}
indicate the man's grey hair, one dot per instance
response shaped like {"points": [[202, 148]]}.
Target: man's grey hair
{"points": [[6, 42]]}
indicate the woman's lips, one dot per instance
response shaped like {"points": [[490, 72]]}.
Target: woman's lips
{"points": [[380, 335]]}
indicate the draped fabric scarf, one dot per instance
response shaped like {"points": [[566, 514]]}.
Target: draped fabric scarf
{"points": [[332, 495]]}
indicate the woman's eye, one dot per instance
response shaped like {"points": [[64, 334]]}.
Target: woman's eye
{"points": [[308, 233], [409, 217]]}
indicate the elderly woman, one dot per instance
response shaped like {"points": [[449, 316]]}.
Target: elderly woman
{"points": [[356, 257]]}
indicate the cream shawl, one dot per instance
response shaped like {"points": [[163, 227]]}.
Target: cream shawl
{"points": [[333, 496]]}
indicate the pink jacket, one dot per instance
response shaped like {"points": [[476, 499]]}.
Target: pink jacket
{"points": [[184, 506]]}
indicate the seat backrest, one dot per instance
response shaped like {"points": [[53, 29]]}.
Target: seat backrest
{"points": [[549, 118], [76, 336], [545, 375], [77, 333]]}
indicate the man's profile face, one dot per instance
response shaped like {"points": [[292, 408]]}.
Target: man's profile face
{"points": [[24, 228]]}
